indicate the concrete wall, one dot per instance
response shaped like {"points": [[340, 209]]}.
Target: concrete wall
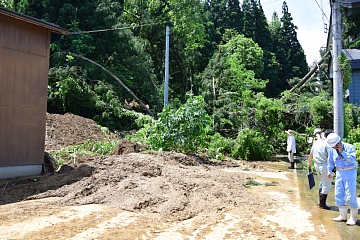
{"points": [[19, 171]]}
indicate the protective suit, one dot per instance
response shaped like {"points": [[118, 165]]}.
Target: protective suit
{"points": [[343, 157], [319, 152], [290, 148]]}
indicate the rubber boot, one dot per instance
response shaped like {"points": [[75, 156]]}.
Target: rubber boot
{"points": [[322, 203], [353, 217], [292, 165], [320, 190], [343, 214]]}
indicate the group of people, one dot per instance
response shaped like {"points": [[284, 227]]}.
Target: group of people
{"points": [[329, 152]]}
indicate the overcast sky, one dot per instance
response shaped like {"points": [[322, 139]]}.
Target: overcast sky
{"points": [[308, 17]]}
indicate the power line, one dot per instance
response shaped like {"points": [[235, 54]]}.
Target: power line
{"points": [[268, 2], [113, 29], [323, 14]]}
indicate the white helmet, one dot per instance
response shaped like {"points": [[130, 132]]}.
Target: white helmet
{"points": [[332, 139], [317, 130]]}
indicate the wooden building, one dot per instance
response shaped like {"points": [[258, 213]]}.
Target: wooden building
{"points": [[353, 55], [24, 66], [350, 3]]}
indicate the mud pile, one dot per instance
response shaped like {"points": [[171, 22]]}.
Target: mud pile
{"points": [[172, 184]]}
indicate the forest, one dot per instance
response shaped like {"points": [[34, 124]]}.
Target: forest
{"points": [[232, 74]]}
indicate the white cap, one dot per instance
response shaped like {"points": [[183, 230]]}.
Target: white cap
{"points": [[317, 130], [332, 139], [288, 132]]}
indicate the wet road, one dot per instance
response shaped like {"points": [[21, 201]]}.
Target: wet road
{"points": [[295, 216], [310, 199]]}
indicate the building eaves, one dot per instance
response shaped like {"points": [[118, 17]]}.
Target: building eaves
{"points": [[350, 3], [32, 20], [353, 55]]}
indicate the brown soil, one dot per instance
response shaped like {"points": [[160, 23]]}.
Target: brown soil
{"points": [[134, 195]]}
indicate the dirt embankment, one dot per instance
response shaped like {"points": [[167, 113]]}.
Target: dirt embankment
{"points": [[165, 185]]}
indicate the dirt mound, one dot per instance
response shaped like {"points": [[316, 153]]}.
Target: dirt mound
{"points": [[126, 146], [159, 183], [69, 129], [172, 184], [165, 195]]}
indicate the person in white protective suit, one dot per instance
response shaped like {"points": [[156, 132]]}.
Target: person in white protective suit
{"points": [[290, 148], [319, 152], [343, 157]]}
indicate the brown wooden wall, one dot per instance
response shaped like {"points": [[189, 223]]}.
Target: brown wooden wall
{"points": [[24, 64]]}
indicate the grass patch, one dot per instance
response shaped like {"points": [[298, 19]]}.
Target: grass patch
{"points": [[272, 183], [250, 183], [88, 148]]}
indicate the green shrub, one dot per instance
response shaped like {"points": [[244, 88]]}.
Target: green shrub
{"points": [[357, 147], [219, 146], [354, 136], [302, 145], [183, 130], [252, 145]]}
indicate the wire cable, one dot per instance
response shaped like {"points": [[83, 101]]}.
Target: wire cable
{"points": [[323, 14], [268, 2], [114, 29]]}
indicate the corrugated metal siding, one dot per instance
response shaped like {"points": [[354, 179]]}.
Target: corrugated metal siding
{"points": [[355, 64], [24, 51], [18, 35], [354, 88]]}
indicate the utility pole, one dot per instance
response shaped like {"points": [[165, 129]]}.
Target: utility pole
{"points": [[337, 77], [309, 74], [166, 84]]}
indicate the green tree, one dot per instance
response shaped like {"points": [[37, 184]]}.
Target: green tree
{"points": [[183, 129], [235, 15], [248, 19], [288, 50], [218, 16], [290, 42], [32, 8], [262, 32], [271, 61], [230, 80], [351, 28], [252, 145], [7, 4], [119, 50], [187, 37], [264, 38]]}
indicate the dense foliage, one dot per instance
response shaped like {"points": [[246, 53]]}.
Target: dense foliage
{"points": [[132, 47], [183, 129], [231, 70]]}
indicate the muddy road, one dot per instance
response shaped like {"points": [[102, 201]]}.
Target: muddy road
{"points": [[165, 195], [192, 202]]}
